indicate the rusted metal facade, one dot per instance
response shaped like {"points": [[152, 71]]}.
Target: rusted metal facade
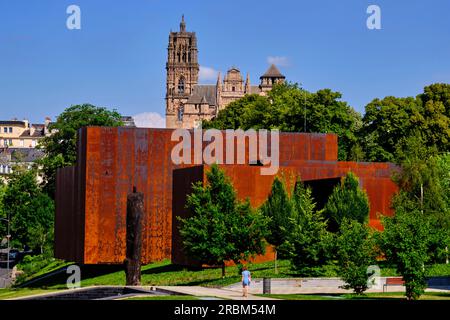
{"points": [[91, 197], [374, 178]]}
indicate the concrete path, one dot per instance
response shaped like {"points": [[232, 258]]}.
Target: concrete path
{"points": [[297, 286], [211, 292], [321, 286]]}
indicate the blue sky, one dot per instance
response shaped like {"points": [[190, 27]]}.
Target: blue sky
{"points": [[118, 57]]}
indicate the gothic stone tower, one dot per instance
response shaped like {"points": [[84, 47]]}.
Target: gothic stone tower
{"points": [[182, 73]]}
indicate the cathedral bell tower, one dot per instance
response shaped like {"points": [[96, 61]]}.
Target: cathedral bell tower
{"points": [[182, 73]]}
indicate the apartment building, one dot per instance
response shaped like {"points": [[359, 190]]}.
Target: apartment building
{"points": [[18, 142], [21, 133]]}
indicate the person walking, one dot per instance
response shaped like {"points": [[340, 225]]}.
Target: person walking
{"points": [[246, 279]]}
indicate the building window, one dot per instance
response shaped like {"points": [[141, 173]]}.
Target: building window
{"points": [[10, 129], [181, 85], [180, 113], [5, 130], [33, 143], [1, 168], [10, 142], [233, 89], [22, 143]]}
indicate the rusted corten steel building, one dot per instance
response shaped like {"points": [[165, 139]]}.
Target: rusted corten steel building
{"points": [[91, 196]]}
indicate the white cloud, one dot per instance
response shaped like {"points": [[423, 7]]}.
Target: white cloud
{"points": [[279, 61], [206, 74], [149, 120]]}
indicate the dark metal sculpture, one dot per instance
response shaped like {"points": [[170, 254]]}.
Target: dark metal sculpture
{"points": [[135, 212]]}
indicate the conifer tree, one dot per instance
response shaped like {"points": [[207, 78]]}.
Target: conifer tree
{"points": [[220, 227], [347, 201], [278, 209]]}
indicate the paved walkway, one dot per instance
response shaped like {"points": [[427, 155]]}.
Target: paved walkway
{"points": [[323, 286], [285, 286], [211, 292], [296, 286]]}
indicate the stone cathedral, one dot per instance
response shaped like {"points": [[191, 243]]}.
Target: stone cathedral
{"points": [[187, 102]]}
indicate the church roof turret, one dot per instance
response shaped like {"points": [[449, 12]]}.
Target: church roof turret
{"points": [[219, 81], [273, 72], [247, 84], [182, 24]]}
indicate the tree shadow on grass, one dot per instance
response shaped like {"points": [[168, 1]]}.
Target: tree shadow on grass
{"points": [[218, 282], [169, 268], [58, 278]]}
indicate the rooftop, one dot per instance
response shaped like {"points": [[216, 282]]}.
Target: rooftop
{"points": [[272, 72], [12, 122], [21, 154]]}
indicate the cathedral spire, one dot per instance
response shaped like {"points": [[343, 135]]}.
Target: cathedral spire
{"points": [[247, 84], [218, 92], [181, 75], [182, 24], [219, 81]]}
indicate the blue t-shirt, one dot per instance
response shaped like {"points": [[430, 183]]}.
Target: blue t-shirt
{"points": [[246, 275]]}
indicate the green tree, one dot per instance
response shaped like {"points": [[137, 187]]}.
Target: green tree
{"points": [[3, 225], [278, 209], [61, 146], [251, 111], [29, 209], [435, 120], [385, 123], [41, 232], [308, 244], [437, 92], [285, 108], [405, 242], [417, 171], [355, 252], [388, 121], [347, 201], [443, 179], [328, 114], [221, 228], [249, 229], [424, 179]]}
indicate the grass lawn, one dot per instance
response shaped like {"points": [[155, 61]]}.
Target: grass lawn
{"points": [[22, 292], [42, 267], [433, 270], [367, 296], [167, 274]]}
